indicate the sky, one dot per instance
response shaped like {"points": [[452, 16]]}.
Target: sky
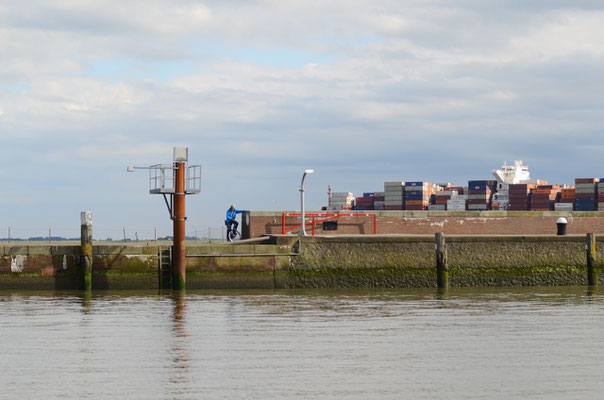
{"points": [[362, 91]]}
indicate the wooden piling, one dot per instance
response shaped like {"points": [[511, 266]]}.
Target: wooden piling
{"points": [[86, 246], [442, 268], [590, 250]]}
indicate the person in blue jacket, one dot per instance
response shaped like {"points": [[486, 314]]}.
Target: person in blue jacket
{"points": [[231, 219]]}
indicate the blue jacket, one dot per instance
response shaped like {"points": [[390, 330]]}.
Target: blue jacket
{"points": [[231, 215]]}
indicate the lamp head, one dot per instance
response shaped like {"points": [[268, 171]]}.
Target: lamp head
{"points": [[309, 171], [130, 168]]}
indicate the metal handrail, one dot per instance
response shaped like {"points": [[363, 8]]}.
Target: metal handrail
{"points": [[330, 217]]}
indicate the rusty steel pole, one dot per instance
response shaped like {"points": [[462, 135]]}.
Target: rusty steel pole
{"points": [[178, 261]]}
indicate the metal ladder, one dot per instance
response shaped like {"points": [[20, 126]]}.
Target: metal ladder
{"points": [[164, 267]]}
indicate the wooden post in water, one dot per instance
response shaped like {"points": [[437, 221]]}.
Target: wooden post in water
{"points": [[442, 268], [590, 249], [86, 246]]}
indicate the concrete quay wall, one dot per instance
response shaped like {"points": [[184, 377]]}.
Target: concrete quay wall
{"points": [[409, 261], [136, 266], [396, 261], [258, 223], [43, 266]]}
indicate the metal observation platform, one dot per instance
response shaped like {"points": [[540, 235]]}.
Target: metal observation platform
{"points": [[175, 180], [161, 179]]}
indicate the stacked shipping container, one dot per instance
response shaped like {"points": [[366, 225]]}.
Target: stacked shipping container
{"points": [[543, 197], [566, 200], [479, 194], [534, 195], [365, 202], [379, 201], [341, 201], [394, 195], [418, 195], [586, 194], [519, 194]]}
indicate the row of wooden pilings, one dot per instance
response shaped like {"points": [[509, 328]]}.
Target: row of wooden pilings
{"points": [[442, 266]]}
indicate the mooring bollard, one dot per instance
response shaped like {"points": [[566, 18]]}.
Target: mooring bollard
{"points": [[442, 269], [86, 246], [561, 224], [590, 249]]}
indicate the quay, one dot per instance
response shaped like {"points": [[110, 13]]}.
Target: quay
{"points": [[338, 261]]}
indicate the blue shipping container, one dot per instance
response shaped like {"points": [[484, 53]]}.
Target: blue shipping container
{"points": [[478, 186]]}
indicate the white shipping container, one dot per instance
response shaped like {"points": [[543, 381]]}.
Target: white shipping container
{"points": [[393, 184], [585, 185], [416, 189], [478, 196], [590, 191], [563, 206]]}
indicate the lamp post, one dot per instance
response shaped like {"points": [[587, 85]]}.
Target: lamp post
{"points": [[302, 216]]}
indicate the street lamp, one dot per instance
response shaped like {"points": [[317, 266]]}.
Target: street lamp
{"points": [[302, 216]]}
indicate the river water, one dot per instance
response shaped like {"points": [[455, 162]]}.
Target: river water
{"points": [[505, 343]]}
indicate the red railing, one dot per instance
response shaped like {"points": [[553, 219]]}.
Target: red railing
{"points": [[330, 217]]}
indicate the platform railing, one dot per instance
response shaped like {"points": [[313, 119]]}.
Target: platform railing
{"points": [[319, 218]]}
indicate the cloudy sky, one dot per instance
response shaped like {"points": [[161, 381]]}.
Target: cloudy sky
{"points": [[362, 91]]}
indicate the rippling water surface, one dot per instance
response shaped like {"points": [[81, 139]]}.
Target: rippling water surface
{"points": [[537, 343]]}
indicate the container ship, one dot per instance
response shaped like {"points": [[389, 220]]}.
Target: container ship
{"points": [[512, 189]]}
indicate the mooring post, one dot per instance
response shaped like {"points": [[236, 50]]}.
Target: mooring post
{"points": [[86, 247], [590, 249], [178, 261], [442, 268]]}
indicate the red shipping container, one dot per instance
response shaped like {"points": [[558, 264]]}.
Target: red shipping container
{"points": [[586, 180]]}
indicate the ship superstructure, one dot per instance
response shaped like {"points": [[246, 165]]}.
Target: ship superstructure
{"points": [[512, 174]]}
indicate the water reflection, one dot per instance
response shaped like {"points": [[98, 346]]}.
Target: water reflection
{"points": [[442, 293], [87, 302], [592, 293], [180, 349]]}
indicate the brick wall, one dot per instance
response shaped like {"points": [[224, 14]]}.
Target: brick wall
{"points": [[430, 222]]}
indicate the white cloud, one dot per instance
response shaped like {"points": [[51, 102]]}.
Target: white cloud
{"points": [[101, 84], [561, 34]]}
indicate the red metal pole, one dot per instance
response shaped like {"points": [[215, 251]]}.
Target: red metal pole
{"points": [[283, 223], [374, 224], [178, 260], [313, 226]]}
